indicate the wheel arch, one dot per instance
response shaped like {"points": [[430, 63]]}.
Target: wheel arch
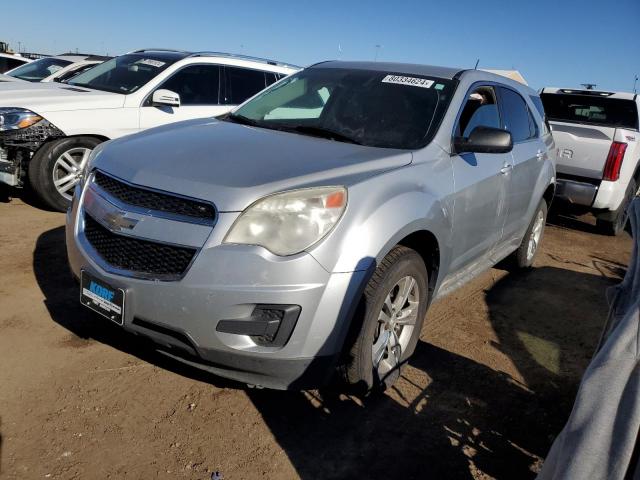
{"points": [[51, 139], [549, 194], [425, 243]]}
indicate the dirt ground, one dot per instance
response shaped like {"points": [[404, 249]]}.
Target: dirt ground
{"points": [[490, 385]]}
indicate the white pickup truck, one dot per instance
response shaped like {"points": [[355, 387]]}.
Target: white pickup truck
{"points": [[598, 144]]}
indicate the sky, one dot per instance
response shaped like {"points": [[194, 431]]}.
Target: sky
{"points": [[552, 42]]}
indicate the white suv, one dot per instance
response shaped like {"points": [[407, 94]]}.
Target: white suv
{"points": [[47, 131]]}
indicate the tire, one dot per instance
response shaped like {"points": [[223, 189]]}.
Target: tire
{"points": [[396, 270], [528, 249], [57, 160], [616, 225]]}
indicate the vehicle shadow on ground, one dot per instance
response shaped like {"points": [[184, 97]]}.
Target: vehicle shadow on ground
{"points": [[61, 294], [27, 195], [469, 418], [449, 416], [573, 218]]}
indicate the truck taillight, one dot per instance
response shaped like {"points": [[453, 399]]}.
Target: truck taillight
{"points": [[614, 161]]}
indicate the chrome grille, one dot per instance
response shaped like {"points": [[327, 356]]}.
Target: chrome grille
{"points": [[154, 200]]}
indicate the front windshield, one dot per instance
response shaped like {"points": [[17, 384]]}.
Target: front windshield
{"points": [[374, 108], [39, 69], [124, 74]]}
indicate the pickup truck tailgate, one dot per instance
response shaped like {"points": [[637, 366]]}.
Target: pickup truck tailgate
{"points": [[582, 149]]}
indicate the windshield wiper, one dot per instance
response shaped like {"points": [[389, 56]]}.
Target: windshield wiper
{"points": [[325, 133], [241, 119]]}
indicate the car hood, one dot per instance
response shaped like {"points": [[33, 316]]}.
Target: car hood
{"points": [[233, 165], [55, 97]]}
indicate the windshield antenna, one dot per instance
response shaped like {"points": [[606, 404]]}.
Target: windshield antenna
{"points": [[477, 62]]}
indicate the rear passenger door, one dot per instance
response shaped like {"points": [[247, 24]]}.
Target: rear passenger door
{"points": [[240, 84], [528, 154], [199, 87]]}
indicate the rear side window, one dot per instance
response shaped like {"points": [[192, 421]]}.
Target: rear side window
{"points": [[196, 85], [7, 64], [272, 77], [243, 83], [516, 116], [537, 102], [591, 109]]}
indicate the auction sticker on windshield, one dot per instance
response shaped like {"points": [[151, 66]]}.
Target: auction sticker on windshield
{"points": [[151, 62], [413, 81], [102, 297]]}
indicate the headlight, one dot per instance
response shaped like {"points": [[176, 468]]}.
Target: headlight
{"points": [[290, 222], [17, 118]]}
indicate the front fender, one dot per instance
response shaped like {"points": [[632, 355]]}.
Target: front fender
{"points": [[385, 209]]}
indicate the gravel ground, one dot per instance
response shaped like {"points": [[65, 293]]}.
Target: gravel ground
{"points": [[490, 385]]}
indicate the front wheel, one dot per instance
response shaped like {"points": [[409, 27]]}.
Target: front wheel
{"points": [[57, 167], [526, 252], [395, 304]]}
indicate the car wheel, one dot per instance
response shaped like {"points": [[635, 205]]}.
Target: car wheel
{"points": [[57, 167], [526, 252], [616, 225], [394, 306]]}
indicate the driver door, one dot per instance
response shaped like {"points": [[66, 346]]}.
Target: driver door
{"points": [[481, 185]]}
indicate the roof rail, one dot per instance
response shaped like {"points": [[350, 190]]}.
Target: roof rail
{"points": [[142, 50], [74, 54], [242, 57]]}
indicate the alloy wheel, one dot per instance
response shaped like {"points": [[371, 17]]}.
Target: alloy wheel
{"points": [[68, 168], [396, 322], [536, 233]]}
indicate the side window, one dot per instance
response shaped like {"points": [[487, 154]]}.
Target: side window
{"points": [[243, 83], [272, 77], [533, 126], [7, 64], [537, 102], [196, 85], [517, 118], [480, 109]]}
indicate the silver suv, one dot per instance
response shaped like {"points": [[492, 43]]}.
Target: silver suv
{"points": [[307, 231]]}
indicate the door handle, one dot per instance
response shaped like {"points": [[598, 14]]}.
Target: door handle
{"points": [[506, 169], [540, 155]]}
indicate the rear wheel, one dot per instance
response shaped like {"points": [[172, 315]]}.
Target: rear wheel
{"points": [[526, 252], [615, 225], [395, 304], [57, 167]]}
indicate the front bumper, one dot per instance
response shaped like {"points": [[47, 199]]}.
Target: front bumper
{"points": [[226, 282], [18, 146]]}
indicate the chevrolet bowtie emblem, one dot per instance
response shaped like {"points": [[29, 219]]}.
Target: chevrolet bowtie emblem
{"points": [[119, 221]]}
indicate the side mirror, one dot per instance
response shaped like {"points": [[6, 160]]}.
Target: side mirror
{"points": [[166, 98], [485, 140]]}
